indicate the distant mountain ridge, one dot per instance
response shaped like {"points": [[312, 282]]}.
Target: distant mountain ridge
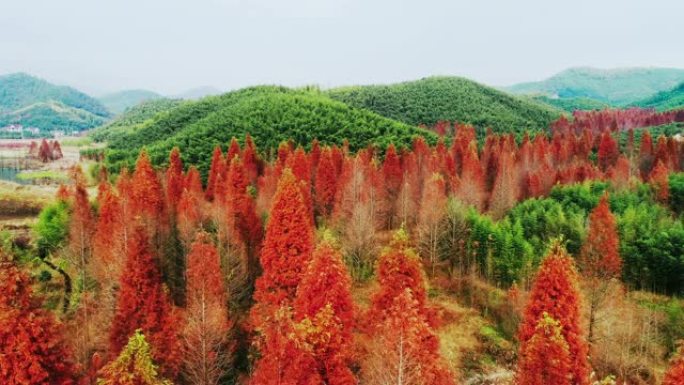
{"points": [[664, 100], [118, 102], [615, 86], [31, 101]]}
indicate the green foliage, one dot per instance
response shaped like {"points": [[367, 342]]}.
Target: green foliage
{"points": [[52, 228], [269, 114], [430, 100], [616, 86], [664, 100], [134, 365], [119, 102], [34, 102], [133, 118], [677, 192], [572, 104]]}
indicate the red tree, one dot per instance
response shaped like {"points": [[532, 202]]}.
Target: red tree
{"points": [[287, 246], [33, 351], [324, 300], [147, 197], [405, 350], [143, 303], [325, 183], [431, 217], [545, 359], [675, 375], [207, 349], [600, 256], [555, 292], [607, 151], [214, 171], [660, 183]]}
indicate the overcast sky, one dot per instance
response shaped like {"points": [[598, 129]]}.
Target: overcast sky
{"points": [[173, 45]]}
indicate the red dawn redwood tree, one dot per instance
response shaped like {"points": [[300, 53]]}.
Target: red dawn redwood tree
{"points": [[404, 349], [675, 374], [287, 246], [214, 171], [143, 303], [431, 216], [325, 183], [646, 154], [392, 177], [133, 366], [607, 151], [188, 216], [147, 196], [555, 292], [660, 183], [32, 347], [324, 300], [207, 350], [545, 359]]}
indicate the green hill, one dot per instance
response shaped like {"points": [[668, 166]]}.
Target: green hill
{"points": [[133, 118], [270, 114], [665, 100], [52, 115], [30, 101], [118, 102], [614, 86], [572, 104], [455, 99]]}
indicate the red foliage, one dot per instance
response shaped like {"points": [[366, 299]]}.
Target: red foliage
{"points": [[31, 340], [660, 182], [109, 243], [600, 257], [607, 151], [325, 183], [206, 351], [675, 374], [147, 197], [613, 120], [214, 171], [81, 223], [324, 299], [287, 246], [143, 303], [545, 359], [472, 187], [555, 292]]}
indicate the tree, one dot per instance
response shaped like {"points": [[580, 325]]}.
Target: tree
{"points": [[607, 152], [174, 180], [399, 268], [206, 334], [392, 177], [405, 351], [324, 302], [660, 182], [325, 183], [147, 197], [600, 259], [287, 246], [431, 219], [133, 366], [545, 359], [214, 171], [31, 340], [144, 304], [505, 187], [555, 292], [675, 375]]}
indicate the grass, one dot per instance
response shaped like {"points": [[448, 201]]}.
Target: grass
{"points": [[49, 175], [19, 201], [76, 141]]}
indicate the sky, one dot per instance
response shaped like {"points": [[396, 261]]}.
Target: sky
{"points": [[170, 46]]}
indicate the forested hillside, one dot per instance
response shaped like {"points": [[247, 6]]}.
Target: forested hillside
{"points": [[614, 86], [35, 102], [572, 104], [665, 100], [269, 114], [431, 100]]}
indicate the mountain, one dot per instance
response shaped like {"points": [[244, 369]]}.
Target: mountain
{"points": [[31, 101], [133, 117], [664, 100], [613, 86], [270, 114], [198, 93], [430, 100], [118, 102], [572, 104]]}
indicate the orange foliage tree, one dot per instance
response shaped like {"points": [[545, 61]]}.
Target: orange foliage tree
{"points": [[545, 359], [144, 304], [555, 292], [32, 350], [675, 374]]}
